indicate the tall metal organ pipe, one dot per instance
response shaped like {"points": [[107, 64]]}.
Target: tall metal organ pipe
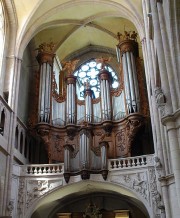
{"points": [[105, 84], [129, 51], [70, 100], [45, 59]]}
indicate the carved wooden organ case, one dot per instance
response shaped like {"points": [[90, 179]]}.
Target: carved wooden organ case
{"points": [[85, 134]]}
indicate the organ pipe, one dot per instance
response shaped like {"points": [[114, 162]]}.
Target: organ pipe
{"points": [[45, 59], [129, 51], [105, 79], [71, 98]]}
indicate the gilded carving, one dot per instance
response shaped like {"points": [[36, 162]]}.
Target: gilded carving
{"points": [[128, 42], [125, 137], [46, 53], [69, 67], [117, 92], [96, 100], [103, 61], [57, 151], [128, 35], [96, 150], [57, 96], [80, 102], [121, 143]]}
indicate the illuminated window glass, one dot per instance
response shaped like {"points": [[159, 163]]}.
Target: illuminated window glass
{"points": [[89, 72]]}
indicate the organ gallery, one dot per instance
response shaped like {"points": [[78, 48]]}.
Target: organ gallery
{"points": [[90, 122]]}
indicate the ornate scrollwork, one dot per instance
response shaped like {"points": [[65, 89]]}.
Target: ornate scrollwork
{"points": [[125, 136], [57, 96]]}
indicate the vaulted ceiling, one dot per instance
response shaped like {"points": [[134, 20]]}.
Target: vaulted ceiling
{"points": [[76, 24]]}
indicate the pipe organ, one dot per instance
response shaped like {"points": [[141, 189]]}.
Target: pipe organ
{"points": [[84, 134]]}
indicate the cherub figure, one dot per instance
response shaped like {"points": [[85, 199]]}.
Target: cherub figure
{"points": [[127, 34], [70, 66], [134, 36], [103, 61], [119, 36]]}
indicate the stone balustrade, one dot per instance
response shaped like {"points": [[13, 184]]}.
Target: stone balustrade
{"points": [[113, 164], [42, 169], [130, 162], [37, 180]]}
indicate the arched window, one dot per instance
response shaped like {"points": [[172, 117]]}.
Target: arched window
{"points": [[2, 34], [26, 147], [16, 137], [89, 71], [2, 122], [21, 143]]}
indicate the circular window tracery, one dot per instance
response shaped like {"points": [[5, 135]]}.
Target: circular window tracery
{"points": [[89, 72]]}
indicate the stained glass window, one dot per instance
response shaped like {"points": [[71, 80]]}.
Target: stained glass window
{"points": [[89, 72]]}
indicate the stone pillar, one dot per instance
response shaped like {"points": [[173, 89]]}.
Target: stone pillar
{"points": [[88, 103], [164, 181], [169, 56], [172, 132], [129, 51], [105, 83], [161, 58], [45, 59], [71, 100]]}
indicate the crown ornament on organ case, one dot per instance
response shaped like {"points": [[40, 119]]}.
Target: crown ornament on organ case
{"points": [[46, 47], [128, 35]]}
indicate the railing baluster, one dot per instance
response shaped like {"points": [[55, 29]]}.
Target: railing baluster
{"points": [[130, 162]]}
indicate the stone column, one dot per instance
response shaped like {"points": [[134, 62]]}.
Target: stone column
{"points": [[129, 51], [172, 132], [169, 58], [161, 58], [45, 59], [105, 83], [71, 100]]}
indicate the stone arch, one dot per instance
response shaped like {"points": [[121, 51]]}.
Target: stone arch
{"points": [[86, 187], [10, 42]]}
